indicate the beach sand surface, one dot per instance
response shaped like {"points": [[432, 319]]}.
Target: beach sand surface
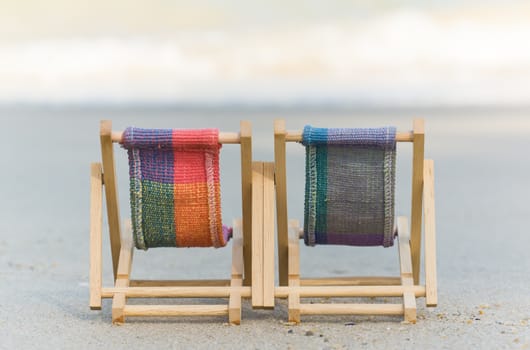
{"points": [[483, 213]]}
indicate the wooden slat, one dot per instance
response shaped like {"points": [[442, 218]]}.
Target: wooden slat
{"points": [[296, 136], [268, 235], [224, 137], [281, 199], [351, 309], [177, 292], [431, 298], [417, 193], [405, 263], [237, 249], [246, 193], [118, 301], [126, 253], [294, 249], [351, 281], [179, 283], [111, 192], [293, 295], [293, 291], [350, 291], [257, 234], [175, 310], [234, 303], [96, 188], [122, 280]]}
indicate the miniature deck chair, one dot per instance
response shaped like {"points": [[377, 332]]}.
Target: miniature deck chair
{"points": [[175, 201], [349, 200]]}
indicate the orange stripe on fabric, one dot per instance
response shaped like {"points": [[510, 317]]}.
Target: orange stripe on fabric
{"points": [[192, 215]]}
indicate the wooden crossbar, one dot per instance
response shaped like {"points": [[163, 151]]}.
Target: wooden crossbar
{"points": [[175, 292], [351, 281], [296, 136], [175, 310], [350, 291], [179, 283], [351, 309], [224, 137]]}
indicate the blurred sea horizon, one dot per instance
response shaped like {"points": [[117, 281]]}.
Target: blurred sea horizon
{"points": [[363, 55]]}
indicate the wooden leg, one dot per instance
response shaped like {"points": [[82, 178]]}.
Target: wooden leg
{"points": [[294, 272], [409, 298], [118, 302], [417, 196], [96, 188], [294, 302], [111, 192], [234, 304], [257, 234], [268, 235], [123, 277], [431, 297], [281, 200], [246, 192]]}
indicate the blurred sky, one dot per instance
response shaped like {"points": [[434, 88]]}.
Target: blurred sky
{"points": [[357, 53]]}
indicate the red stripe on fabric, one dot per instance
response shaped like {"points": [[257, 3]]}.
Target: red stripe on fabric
{"points": [[202, 138], [191, 193]]}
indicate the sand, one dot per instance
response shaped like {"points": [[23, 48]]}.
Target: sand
{"points": [[482, 167]]}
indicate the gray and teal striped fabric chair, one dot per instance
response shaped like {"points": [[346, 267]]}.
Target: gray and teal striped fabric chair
{"points": [[349, 200]]}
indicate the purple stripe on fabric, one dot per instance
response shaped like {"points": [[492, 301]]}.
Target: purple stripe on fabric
{"points": [[147, 138], [157, 166], [355, 239], [227, 233], [368, 137]]}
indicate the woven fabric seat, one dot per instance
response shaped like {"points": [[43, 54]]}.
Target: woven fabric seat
{"points": [[350, 181], [174, 188]]}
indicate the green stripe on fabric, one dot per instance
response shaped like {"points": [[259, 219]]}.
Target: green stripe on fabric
{"points": [[322, 194], [158, 214], [307, 193]]}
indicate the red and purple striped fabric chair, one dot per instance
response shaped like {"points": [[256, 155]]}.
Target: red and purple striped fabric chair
{"points": [[175, 188], [175, 202]]}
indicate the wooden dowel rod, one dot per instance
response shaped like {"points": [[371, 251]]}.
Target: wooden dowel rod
{"points": [[351, 309], [351, 281], [296, 136], [350, 291], [175, 292], [175, 310], [179, 283], [224, 137]]}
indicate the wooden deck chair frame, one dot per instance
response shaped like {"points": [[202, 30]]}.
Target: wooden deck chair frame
{"points": [[104, 175], [407, 285]]}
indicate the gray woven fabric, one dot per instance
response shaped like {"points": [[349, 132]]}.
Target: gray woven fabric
{"points": [[350, 180]]}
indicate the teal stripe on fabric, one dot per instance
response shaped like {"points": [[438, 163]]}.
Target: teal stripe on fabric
{"points": [[321, 195], [306, 196], [158, 223]]}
